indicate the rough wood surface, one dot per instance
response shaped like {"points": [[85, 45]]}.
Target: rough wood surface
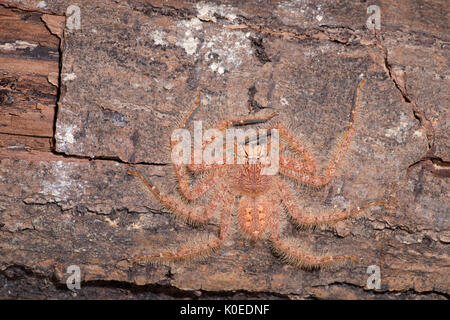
{"points": [[120, 83], [29, 58]]}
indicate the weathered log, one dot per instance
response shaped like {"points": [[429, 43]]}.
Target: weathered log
{"points": [[80, 106]]}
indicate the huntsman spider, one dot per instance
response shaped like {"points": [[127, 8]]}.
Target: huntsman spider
{"points": [[259, 197]]}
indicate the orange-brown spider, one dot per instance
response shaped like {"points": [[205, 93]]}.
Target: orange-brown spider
{"points": [[260, 197]]}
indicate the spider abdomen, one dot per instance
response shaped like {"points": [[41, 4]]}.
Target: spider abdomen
{"points": [[253, 215]]}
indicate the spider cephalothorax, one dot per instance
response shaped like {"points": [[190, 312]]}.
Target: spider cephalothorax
{"points": [[259, 195]]}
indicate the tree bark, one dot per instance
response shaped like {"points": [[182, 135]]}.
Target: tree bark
{"points": [[81, 106]]}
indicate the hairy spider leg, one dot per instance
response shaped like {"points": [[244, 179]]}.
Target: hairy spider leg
{"points": [[193, 217], [201, 249], [290, 252], [213, 177], [182, 179], [202, 187], [312, 220], [222, 126], [206, 166], [306, 177], [309, 165]]}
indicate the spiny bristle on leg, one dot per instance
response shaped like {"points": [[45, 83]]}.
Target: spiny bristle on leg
{"points": [[185, 255], [184, 120], [290, 253], [196, 249], [179, 207], [315, 219], [329, 219], [297, 145]]}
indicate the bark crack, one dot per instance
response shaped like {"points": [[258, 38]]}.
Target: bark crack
{"points": [[388, 291], [417, 111], [435, 165], [261, 29]]}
